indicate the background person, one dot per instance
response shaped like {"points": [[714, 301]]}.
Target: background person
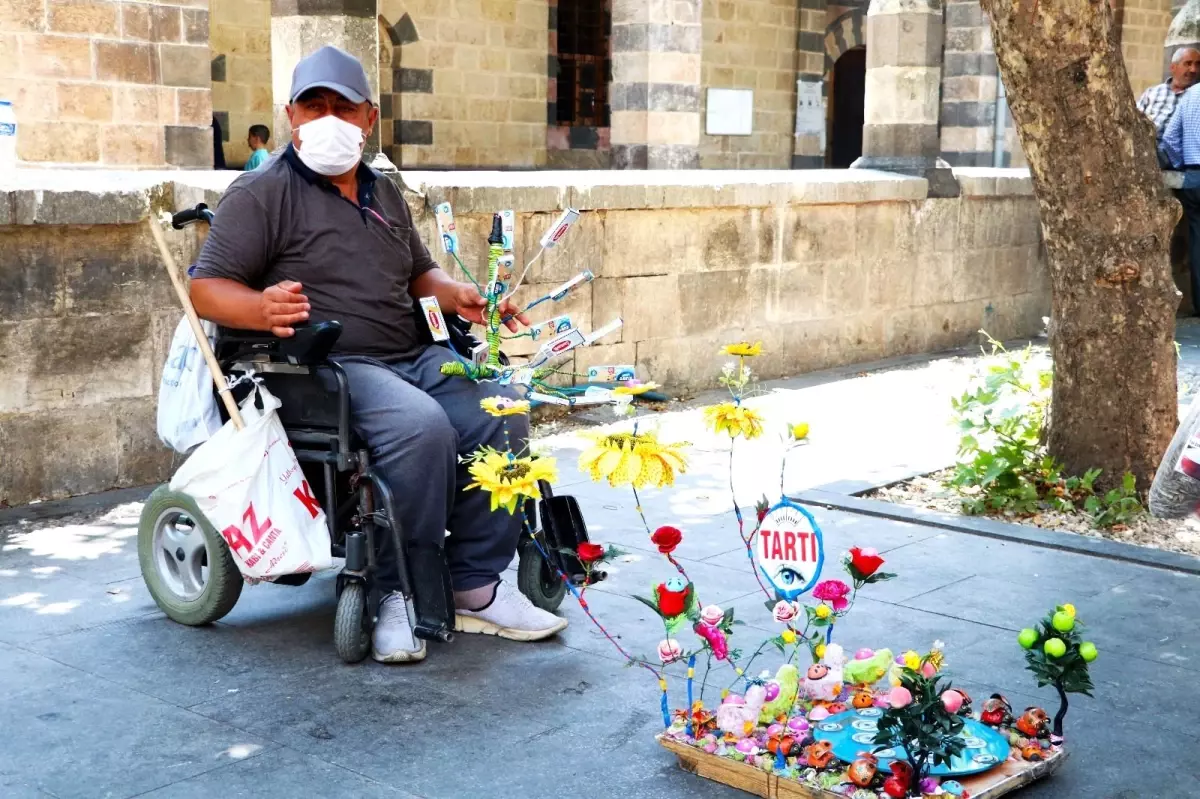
{"points": [[257, 140]]}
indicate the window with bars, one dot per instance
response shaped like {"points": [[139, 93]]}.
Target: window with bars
{"points": [[584, 67]]}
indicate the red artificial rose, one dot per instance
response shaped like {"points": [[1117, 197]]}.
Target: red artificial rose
{"points": [[589, 552], [670, 603], [865, 561], [666, 539]]}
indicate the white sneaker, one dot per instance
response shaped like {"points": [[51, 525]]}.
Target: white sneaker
{"points": [[511, 615], [393, 640]]}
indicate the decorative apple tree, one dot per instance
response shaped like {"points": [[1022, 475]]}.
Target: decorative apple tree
{"points": [[1057, 655], [922, 720]]}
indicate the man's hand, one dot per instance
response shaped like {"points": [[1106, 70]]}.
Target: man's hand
{"points": [[471, 305], [282, 306]]}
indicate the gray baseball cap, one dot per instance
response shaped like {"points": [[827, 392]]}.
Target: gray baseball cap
{"points": [[331, 68]]}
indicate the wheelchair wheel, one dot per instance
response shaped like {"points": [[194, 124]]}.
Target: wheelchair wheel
{"points": [[351, 633], [537, 580], [185, 562]]}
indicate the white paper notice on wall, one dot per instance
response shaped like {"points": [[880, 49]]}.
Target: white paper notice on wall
{"points": [[730, 112], [810, 109]]}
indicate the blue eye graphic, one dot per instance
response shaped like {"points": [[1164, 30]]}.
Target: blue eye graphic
{"points": [[787, 577]]}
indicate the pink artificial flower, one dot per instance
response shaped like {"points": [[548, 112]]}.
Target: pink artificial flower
{"points": [[834, 592], [716, 640]]}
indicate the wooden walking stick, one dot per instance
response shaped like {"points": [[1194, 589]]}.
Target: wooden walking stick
{"points": [[214, 369]]}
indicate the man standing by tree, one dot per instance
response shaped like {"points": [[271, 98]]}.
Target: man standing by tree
{"points": [[1181, 150], [1159, 102]]}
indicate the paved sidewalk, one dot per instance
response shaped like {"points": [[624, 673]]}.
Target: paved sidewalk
{"points": [[101, 696]]}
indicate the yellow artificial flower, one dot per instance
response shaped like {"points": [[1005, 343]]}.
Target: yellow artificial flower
{"points": [[503, 406], [788, 637], [634, 389], [823, 611], [743, 349], [799, 431], [1069, 609], [639, 460], [912, 660], [935, 658], [509, 479], [819, 651], [734, 419]]}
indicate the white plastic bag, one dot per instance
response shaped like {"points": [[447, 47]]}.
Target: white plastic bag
{"points": [[250, 486], [187, 410]]}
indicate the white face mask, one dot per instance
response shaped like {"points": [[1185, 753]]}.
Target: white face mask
{"points": [[330, 146]]}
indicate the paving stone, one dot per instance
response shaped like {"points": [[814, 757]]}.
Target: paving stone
{"points": [[28, 671], [388, 723], [43, 604], [278, 772], [145, 655], [90, 738], [99, 550]]}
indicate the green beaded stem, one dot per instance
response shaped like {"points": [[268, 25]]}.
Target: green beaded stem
{"points": [[495, 250]]}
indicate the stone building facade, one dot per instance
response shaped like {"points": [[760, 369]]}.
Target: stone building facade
{"points": [[514, 84], [108, 83]]}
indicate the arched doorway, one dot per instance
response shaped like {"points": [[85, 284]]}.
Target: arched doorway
{"points": [[849, 89]]}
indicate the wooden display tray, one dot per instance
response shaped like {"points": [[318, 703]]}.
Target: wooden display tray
{"points": [[1004, 778]]}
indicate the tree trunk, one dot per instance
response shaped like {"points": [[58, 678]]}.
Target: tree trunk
{"points": [[1107, 222]]}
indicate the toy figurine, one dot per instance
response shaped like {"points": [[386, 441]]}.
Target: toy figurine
{"points": [[867, 671], [823, 681], [1034, 723], [786, 744], [781, 694], [736, 715], [863, 698], [996, 711], [820, 754], [863, 770], [896, 786], [821, 684]]}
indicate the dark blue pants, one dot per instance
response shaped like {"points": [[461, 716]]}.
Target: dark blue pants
{"points": [[416, 423]]}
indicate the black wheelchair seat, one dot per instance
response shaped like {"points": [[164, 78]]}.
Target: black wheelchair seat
{"points": [[308, 346]]}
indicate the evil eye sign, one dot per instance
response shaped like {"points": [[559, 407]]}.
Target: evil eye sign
{"points": [[789, 550]]}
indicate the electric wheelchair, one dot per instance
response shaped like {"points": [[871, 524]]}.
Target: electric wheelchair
{"points": [[191, 574]]}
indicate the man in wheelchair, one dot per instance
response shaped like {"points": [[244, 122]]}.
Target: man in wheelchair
{"points": [[316, 235]]}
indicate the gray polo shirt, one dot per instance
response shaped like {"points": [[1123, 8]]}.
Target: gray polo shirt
{"points": [[286, 222]]}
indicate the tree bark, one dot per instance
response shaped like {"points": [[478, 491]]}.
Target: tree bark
{"points": [[1107, 222]]}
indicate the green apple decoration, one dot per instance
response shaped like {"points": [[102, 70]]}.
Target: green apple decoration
{"points": [[1055, 648], [1027, 638], [1063, 622]]}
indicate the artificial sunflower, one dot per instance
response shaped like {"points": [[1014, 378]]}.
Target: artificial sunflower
{"points": [[735, 419], [743, 349], [637, 459], [503, 406], [634, 389], [510, 479]]}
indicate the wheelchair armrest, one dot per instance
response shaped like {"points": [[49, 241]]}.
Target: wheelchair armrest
{"points": [[309, 346]]}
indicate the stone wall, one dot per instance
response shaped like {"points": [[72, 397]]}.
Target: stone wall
{"points": [[106, 83], [469, 82], [240, 40], [751, 44], [86, 312], [1143, 25], [825, 267]]}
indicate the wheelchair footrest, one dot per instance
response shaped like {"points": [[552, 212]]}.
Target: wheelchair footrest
{"points": [[432, 595], [564, 530]]}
